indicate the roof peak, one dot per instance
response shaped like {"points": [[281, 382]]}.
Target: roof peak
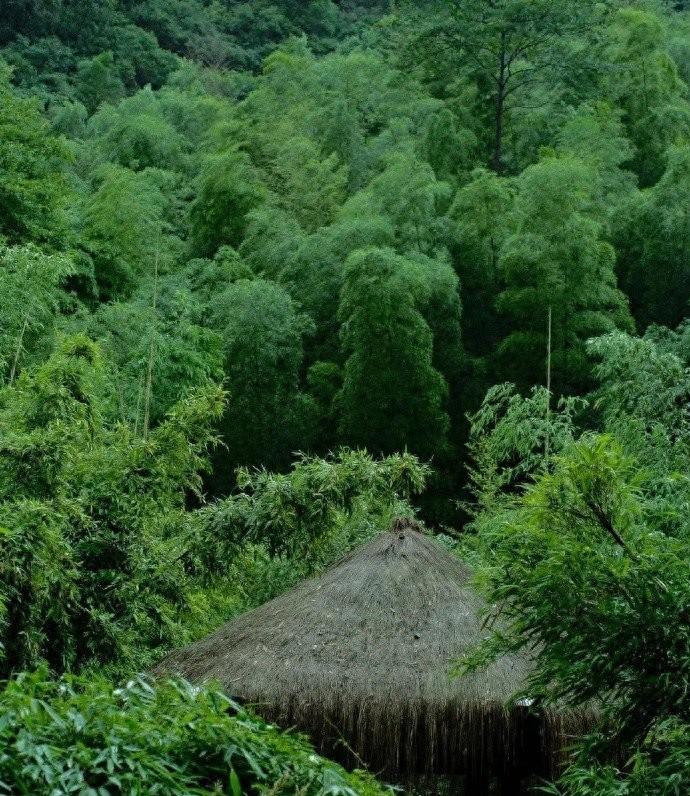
{"points": [[396, 611], [368, 645]]}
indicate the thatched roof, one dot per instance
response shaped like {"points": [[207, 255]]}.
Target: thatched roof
{"points": [[362, 654]]}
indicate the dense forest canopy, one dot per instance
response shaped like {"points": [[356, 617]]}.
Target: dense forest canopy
{"points": [[356, 215], [439, 248]]}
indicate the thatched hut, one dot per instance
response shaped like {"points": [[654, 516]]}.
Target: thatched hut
{"points": [[359, 659]]}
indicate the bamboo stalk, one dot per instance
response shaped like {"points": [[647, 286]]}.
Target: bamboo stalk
{"points": [[152, 349], [548, 388], [18, 351]]}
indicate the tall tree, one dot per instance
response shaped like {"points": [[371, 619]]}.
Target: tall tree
{"points": [[392, 396], [595, 133], [480, 216], [157, 326], [228, 190], [309, 186], [126, 226], [511, 46], [652, 235], [556, 259], [138, 134], [33, 188], [266, 415], [98, 81], [314, 276], [408, 194], [30, 297], [644, 81]]}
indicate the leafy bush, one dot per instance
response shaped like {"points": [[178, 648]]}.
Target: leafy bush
{"points": [[284, 527], [603, 598], [661, 767], [255, 576], [587, 565], [102, 557], [82, 736], [510, 439], [303, 514], [90, 565]]}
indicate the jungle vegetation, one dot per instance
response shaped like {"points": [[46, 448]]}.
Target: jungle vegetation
{"points": [[274, 272]]}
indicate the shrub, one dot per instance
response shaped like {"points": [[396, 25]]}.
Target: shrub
{"points": [[82, 736]]}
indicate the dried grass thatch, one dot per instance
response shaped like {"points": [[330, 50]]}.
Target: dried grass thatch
{"points": [[359, 658]]}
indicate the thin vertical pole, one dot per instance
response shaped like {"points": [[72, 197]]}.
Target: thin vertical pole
{"points": [[548, 385], [18, 351], [140, 396], [152, 348]]}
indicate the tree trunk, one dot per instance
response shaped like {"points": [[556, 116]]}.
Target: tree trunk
{"points": [[499, 108]]}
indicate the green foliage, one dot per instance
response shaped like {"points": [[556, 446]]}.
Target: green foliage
{"points": [[30, 297], [408, 193], [510, 438], [510, 45], [137, 133], [586, 563], [84, 736], [652, 238], [389, 348], [660, 766], [309, 514], [480, 216], [228, 191], [183, 353], [292, 512], [309, 186], [583, 578], [292, 199], [125, 227], [101, 554], [89, 512], [595, 134], [556, 258], [638, 381], [97, 81], [326, 148], [448, 149], [32, 172], [261, 337], [648, 89], [313, 272], [642, 399]]}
